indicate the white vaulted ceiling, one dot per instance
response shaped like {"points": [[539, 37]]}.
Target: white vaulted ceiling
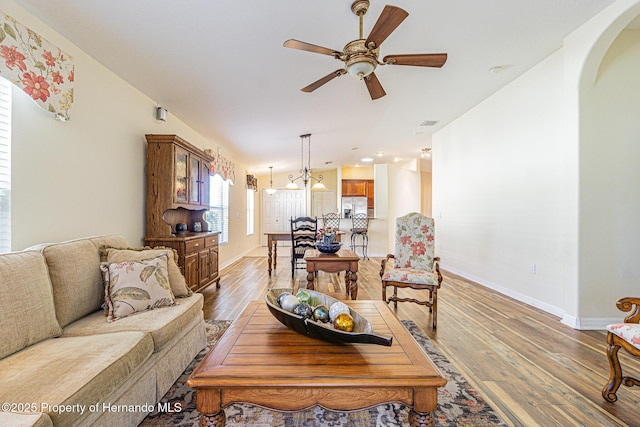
{"points": [[219, 65]]}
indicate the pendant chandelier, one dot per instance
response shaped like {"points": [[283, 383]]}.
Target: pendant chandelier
{"points": [[271, 190], [305, 170]]}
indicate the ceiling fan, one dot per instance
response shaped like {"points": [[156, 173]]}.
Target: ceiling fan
{"points": [[361, 56]]}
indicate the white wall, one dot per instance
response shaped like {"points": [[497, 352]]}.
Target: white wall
{"points": [[609, 266], [545, 172], [86, 176], [504, 181]]}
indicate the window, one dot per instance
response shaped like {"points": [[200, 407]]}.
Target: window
{"points": [[251, 196], [5, 165], [218, 214]]}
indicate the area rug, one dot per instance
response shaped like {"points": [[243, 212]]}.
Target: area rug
{"points": [[458, 403]]}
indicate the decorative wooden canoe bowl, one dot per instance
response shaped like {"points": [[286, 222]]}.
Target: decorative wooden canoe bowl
{"points": [[362, 331]]}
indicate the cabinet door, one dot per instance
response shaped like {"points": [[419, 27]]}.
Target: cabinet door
{"points": [[191, 271], [370, 192], [213, 264], [181, 184], [203, 267], [360, 188], [194, 180], [204, 184], [354, 188]]}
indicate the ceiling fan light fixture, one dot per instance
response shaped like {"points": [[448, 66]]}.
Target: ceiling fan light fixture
{"points": [[361, 66]]}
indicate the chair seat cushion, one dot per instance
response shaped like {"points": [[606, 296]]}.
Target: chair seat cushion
{"points": [[409, 275], [630, 332]]}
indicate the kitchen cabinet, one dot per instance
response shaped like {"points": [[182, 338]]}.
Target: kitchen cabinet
{"points": [[354, 188], [359, 188], [370, 192]]}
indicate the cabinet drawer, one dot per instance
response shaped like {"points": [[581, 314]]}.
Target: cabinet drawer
{"points": [[194, 245], [211, 241]]}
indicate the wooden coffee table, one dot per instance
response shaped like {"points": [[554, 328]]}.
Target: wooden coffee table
{"points": [[260, 361], [344, 260]]}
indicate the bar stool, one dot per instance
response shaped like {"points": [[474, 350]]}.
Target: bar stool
{"points": [[359, 229], [331, 220]]}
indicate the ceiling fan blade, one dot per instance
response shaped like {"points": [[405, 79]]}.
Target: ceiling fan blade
{"points": [[389, 19], [373, 85], [418, 60], [296, 44], [326, 79]]}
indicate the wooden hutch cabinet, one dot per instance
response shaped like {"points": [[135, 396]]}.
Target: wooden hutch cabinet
{"points": [[178, 192]]}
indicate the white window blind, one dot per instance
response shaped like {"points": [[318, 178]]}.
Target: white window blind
{"points": [[251, 196], [218, 214], [5, 165]]}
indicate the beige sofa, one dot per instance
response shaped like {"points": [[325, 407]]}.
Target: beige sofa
{"points": [[62, 363]]}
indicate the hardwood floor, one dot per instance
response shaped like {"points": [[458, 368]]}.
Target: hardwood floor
{"points": [[531, 368]]}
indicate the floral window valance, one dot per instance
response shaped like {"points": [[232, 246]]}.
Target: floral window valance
{"points": [[223, 167], [36, 66]]}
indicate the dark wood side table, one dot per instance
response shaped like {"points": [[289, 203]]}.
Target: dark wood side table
{"points": [[344, 260]]}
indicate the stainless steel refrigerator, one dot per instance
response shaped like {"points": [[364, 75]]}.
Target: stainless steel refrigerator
{"points": [[353, 205]]}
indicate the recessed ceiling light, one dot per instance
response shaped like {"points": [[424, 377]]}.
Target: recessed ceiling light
{"points": [[396, 159], [379, 154], [498, 69], [418, 133], [366, 159]]}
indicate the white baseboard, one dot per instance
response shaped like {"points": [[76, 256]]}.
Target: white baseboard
{"points": [[551, 309], [581, 323], [589, 323]]}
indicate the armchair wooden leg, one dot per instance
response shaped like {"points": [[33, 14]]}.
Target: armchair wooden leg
{"points": [[615, 375], [384, 292], [434, 308]]}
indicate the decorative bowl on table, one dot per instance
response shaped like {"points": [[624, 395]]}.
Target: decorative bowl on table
{"points": [[328, 248], [362, 331]]}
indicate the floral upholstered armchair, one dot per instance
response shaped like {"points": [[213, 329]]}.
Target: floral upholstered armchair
{"points": [[413, 264], [622, 335]]}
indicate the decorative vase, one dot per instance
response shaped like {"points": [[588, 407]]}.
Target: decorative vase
{"points": [[181, 228], [328, 239]]}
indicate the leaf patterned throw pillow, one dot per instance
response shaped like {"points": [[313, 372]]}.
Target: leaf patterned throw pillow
{"points": [[135, 286]]}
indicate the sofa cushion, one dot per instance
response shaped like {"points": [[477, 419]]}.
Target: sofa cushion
{"points": [[33, 419], [74, 268], [135, 286], [73, 371], [176, 279], [27, 313], [163, 324]]}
